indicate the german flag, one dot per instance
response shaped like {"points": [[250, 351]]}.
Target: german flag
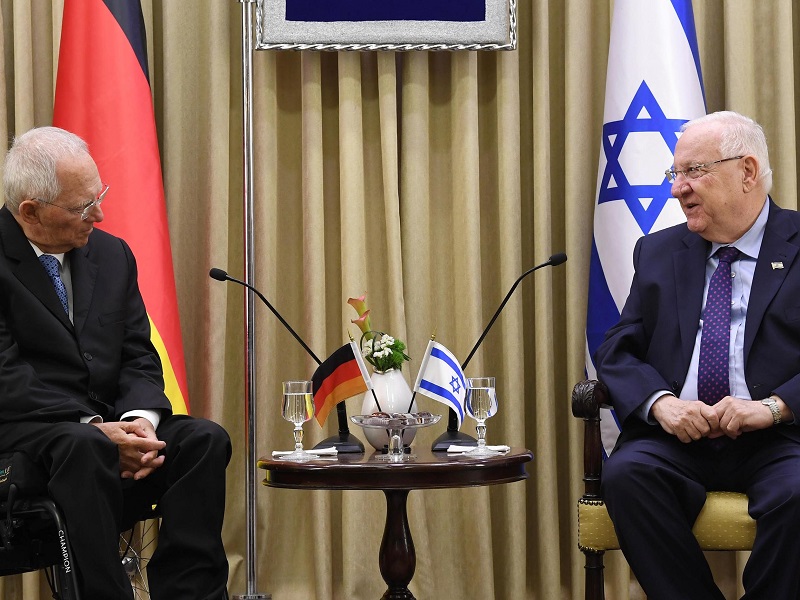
{"points": [[103, 95], [342, 375]]}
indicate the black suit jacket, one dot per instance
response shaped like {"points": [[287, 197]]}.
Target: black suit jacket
{"points": [[651, 346], [52, 370]]}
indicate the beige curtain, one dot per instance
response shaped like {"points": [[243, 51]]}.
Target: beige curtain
{"points": [[430, 180]]}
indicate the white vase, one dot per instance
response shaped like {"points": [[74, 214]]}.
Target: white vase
{"points": [[394, 396]]}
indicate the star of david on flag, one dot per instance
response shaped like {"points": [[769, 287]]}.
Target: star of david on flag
{"points": [[440, 377], [653, 86]]}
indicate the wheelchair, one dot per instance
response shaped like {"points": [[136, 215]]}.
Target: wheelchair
{"points": [[33, 535]]}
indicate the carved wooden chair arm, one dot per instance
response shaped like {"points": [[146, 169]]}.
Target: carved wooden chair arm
{"points": [[587, 398]]}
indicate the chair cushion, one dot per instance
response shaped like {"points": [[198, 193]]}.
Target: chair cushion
{"points": [[723, 524]]}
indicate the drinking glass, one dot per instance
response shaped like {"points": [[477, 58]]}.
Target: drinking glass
{"points": [[481, 404], [298, 407]]}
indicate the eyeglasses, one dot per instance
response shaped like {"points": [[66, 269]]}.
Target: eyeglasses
{"points": [[84, 210], [695, 171]]}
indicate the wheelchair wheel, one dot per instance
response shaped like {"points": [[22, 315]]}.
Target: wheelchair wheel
{"points": [[136, 547]]}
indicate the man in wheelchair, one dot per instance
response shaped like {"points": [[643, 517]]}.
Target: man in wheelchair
{"points": [[81, 385], [703, 370]]}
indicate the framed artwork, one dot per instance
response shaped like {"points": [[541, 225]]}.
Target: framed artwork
{"points": [[386, 25]]}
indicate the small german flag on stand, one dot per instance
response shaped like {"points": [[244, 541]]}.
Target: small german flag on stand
{"points": [[340, 376]]}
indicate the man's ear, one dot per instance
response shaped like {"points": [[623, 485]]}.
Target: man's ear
{"points": [[29, 211], [751, 173]]}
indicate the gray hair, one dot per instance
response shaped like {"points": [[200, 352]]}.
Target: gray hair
{"points": [[740, 136], [30, 166]]}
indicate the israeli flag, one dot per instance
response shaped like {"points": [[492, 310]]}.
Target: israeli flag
{"points": [[653, 86], [440, 377]]}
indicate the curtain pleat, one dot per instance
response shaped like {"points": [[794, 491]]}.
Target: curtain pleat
{"points": [[430, 181]]}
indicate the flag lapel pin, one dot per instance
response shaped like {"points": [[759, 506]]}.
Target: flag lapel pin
{"points": [[777, 265]]}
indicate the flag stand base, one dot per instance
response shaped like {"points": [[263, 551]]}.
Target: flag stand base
{"points": [[344, 443], [452, 438]]}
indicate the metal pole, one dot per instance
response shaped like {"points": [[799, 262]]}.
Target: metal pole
{"points": [[249, 304]]}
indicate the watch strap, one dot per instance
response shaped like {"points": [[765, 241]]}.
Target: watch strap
{"points": [[773, 407]]}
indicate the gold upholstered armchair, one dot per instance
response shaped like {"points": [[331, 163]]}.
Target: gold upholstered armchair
{"points": [[723, 524]]}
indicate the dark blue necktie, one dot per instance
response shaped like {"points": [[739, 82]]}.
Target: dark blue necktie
{"points": [[51, 265], [713, 382]]}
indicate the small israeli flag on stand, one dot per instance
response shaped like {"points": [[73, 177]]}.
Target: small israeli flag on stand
{"points": [[440, 377], [653, 86]]}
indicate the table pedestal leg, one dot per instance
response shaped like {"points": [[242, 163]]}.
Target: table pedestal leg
{"points": [[397, 558]]}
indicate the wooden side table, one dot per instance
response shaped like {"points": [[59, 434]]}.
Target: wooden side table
{"points": [[427, 470]]}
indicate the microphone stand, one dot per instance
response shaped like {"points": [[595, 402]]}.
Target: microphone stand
{"points": [[453, 436], [344, 441]]}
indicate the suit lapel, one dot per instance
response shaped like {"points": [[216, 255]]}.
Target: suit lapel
{"points": [[84, 274], [689, 266], [767, 280], [27, 268]]}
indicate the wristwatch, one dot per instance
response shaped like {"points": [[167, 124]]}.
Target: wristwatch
{"points": [[773, 406]]}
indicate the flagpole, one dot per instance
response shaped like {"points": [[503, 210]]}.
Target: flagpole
{"points": [[249, 305], [414, 394]]}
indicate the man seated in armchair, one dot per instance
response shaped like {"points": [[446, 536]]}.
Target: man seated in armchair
{"points": [[703, 370], [82, 388]]}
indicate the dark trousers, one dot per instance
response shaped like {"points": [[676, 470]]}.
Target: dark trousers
{"points": [[189, 488], [654, 486]]}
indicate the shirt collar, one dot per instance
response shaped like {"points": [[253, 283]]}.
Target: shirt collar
{"points": [[59, 256], [750, 243]]}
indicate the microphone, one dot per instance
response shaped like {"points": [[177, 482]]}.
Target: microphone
{"points": [[452, 435], [553, 261], [344, 441], [221, 275]]}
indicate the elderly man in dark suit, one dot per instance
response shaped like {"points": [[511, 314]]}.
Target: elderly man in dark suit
{"points": [[81, 386], [704, 371]]}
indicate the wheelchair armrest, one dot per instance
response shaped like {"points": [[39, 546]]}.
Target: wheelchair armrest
{"points": [[587, 398]]}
